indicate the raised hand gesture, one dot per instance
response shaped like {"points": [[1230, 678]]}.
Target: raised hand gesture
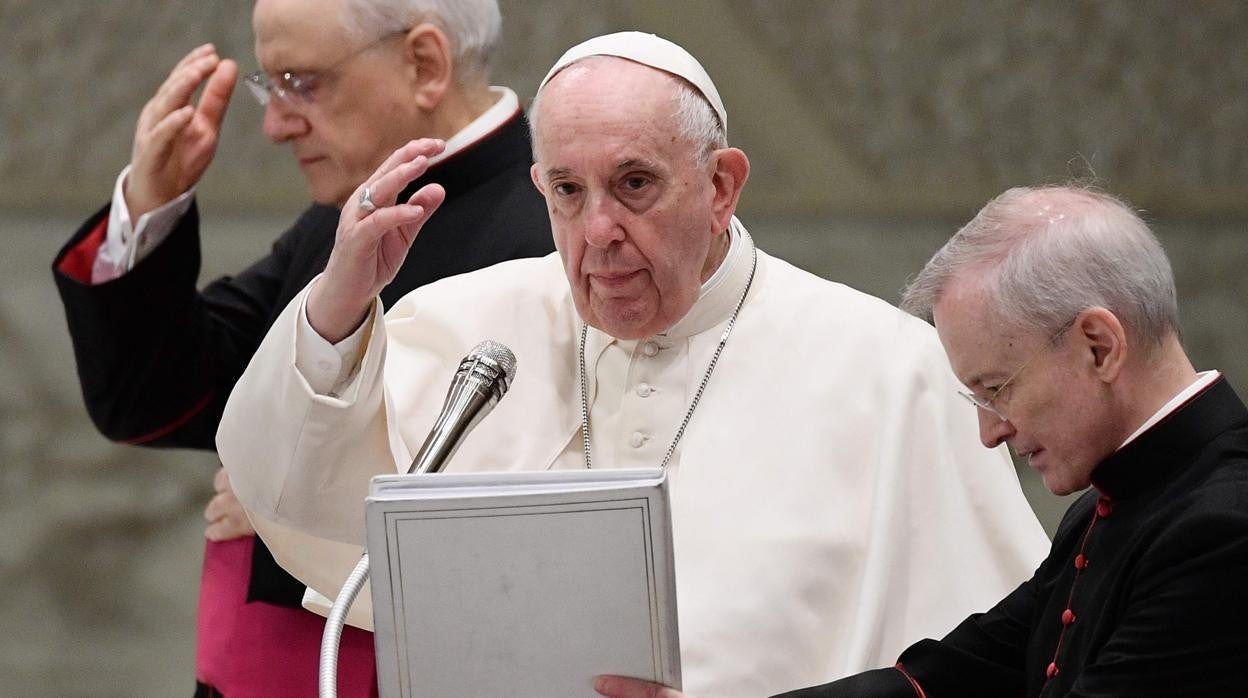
{"points": [[175, 139], [375, 232]]}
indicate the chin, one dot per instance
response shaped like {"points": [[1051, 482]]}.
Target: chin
{"points": [[337, 200], [625, 331], [627, 325], [1059, 489], [1065, 486], [328, 196]]}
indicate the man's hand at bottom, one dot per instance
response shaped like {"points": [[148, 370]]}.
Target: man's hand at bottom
{"points": [[225, 516], [624, 687]]}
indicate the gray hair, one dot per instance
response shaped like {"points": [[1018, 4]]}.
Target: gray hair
{"points": [[472, 26], [1044, 255], [696, 120]]}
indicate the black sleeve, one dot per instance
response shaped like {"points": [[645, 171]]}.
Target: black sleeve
{"points": [[880, 683], [156, 357]]}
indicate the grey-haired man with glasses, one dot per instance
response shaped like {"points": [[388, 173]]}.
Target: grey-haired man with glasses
{"points": [[344, 83]]}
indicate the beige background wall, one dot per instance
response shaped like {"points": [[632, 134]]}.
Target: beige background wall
{"points": [[874, 128]]}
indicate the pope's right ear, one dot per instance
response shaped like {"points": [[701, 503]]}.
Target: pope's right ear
{"points": [[537, 179]]}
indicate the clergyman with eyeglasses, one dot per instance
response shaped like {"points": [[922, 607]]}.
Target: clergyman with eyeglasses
{"points": [[344, 83]]}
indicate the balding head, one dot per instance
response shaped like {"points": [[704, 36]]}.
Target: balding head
{"points": [[1043, 255]]}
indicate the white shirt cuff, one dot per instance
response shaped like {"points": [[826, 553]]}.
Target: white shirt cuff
{"points": [[328, 368], [126, 245]]}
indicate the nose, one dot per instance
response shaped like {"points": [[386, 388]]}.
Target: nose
{"points": [[602, 225], [993, 430], [281, 123]]}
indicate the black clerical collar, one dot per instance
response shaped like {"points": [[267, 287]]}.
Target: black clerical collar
{"points": [[1154, 456]]}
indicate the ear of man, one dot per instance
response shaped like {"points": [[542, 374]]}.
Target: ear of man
{"points": [[730, 170], [1104, 340], [428, 64]]}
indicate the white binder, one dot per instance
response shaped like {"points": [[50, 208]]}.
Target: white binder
{"points": [[521, 583]]}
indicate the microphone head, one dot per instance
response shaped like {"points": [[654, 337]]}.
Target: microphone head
{"points": [[499, 354], [481, 380], [493, 364]]}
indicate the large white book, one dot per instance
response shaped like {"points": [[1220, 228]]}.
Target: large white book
{"points": [[521, 583]]}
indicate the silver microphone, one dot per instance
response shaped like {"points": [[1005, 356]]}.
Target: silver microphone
{"points": [[480, 382]]}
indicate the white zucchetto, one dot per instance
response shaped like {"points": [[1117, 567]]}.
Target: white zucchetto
{"points": [[649, 50]]}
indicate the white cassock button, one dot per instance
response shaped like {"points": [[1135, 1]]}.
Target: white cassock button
{"points": [[637, 439], [643, 390], [650, 349]]}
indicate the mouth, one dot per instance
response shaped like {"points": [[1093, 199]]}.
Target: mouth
{"points": [[1031, 456], [613, 280], [308, 161]]}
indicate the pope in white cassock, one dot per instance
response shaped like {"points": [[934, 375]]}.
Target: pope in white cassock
{"points": [[830, 502]]}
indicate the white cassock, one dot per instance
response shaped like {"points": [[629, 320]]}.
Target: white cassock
{"points": [[831, 501]]}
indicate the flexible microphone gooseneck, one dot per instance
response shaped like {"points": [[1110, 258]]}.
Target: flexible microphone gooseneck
{"points": [[481, 380]]}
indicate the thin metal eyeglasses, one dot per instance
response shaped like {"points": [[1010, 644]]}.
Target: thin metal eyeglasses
{"points": [[294, 89], [987, 404]]}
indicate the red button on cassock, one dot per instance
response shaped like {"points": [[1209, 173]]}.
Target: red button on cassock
{"points": [[1104, 507], [1080, 561], [1068, 617], [1052, 670]]}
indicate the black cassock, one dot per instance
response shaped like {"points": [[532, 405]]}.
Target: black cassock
{"points": [[1144, 592]]}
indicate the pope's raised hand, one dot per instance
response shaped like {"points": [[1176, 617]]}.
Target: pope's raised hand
{"points": [[175, 140], [372, 241]]}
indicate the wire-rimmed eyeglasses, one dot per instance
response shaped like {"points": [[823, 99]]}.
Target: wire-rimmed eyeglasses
{"points": [[988, 403], [296, 88]]}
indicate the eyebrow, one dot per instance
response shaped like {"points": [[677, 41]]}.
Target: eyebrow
{"points": [[557, 172], [636, 162], [982, 378], [628, 164]]}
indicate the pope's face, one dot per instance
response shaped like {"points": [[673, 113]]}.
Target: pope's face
{"points": [[1056, 415], [633, 215]]}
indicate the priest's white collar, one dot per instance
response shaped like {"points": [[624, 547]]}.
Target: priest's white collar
{"points": [[505, 106], [1203, 380]]}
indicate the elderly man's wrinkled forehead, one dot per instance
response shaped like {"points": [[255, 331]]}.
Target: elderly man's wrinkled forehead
{"points": [[298, 34], [601, 94], [270, 18]]}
